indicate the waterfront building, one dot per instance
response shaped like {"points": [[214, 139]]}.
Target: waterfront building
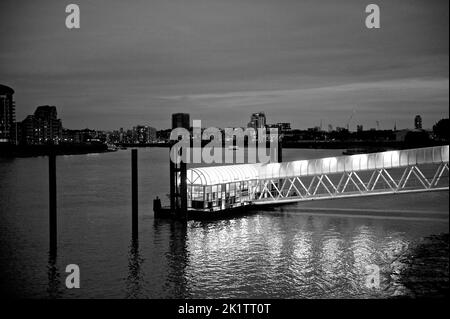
{"points": [[180, 120], [284, 127], [330, 128], [144, 134], [43, 127], [7, 115], [257, 120], [418, 122]]}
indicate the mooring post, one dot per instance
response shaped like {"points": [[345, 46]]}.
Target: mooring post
{"points": [[178, 186], [183, 191], [134, 192], [52, 202], [280, 146]]}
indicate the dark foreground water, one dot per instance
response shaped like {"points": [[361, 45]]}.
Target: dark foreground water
{"points": [[312, 250]]}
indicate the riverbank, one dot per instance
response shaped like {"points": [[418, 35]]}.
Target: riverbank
{"points": [[369, 145], [9, 150]]}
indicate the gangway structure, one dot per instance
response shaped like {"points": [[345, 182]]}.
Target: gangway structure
{"points": [[219, 188]]}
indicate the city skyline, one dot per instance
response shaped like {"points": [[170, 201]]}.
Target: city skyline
{"points": [[305, 62], [326, 126]]}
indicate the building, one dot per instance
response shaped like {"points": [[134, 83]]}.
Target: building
{"points": [[29, 134], [163, 136], [284, 127], [82, 136], [180, 120], [418, 122], [400, 135], [7, 115], [43, 127], [257, 120], [121, 134], [144, 134], [71, 136]]}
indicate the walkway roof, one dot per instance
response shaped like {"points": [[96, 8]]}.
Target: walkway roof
{"points": [[213, 175]]}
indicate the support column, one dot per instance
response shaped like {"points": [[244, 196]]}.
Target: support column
{"points": [[178, 173], [53, 225], [134, 193], [280, 146]]}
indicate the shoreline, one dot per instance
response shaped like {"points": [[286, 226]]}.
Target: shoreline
{"points": [[13, 151], [9, 150]]}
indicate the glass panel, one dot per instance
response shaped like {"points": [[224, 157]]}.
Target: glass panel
{"points": [[403, 158], [396, 158], [341, 164], [387, 160], [371, 161], [363, 162]]}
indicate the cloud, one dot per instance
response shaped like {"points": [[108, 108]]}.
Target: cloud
{"points": [[209, 56]]}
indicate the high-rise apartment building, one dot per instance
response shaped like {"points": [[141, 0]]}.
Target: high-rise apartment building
{"points": [[43, 127], [180, 120], [257, 120], [7, 115], [418, 122]]}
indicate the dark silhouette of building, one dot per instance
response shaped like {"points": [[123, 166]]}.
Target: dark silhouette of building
{"points": [[43, 127], [418, 122], [7, 115], [180, 120], [441, 130]]}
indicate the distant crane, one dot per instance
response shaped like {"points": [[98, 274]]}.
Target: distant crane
{"points": [[350, 118]]}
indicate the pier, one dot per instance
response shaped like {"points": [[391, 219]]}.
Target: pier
{"points": [[221, 189]]}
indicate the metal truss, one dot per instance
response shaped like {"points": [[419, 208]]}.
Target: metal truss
{"points": [[370, 182]]}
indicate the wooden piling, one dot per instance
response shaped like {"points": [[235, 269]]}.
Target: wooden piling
{"points": [[134, 192], [280, 147], [52, 203]]}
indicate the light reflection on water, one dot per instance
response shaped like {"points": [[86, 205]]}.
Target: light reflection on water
{"points": [[270, 255], [279, 253]]}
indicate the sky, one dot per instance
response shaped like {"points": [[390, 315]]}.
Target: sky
{"points": [[299, 61]]}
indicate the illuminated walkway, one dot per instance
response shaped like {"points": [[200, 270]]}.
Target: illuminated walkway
{"points": [[221, 187]]}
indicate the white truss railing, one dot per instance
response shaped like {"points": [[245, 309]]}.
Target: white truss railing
{"points": [[377, 181], [413, 170]]}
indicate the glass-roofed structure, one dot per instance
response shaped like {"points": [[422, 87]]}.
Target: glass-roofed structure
{"points": [[217, 188]]}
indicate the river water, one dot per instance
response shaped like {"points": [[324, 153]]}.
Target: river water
{"points": [[318, 249]]}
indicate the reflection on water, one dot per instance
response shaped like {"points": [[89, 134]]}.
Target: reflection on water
{"points": [[135, 279], [289, 256], [54, 279], [177, 259]]}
